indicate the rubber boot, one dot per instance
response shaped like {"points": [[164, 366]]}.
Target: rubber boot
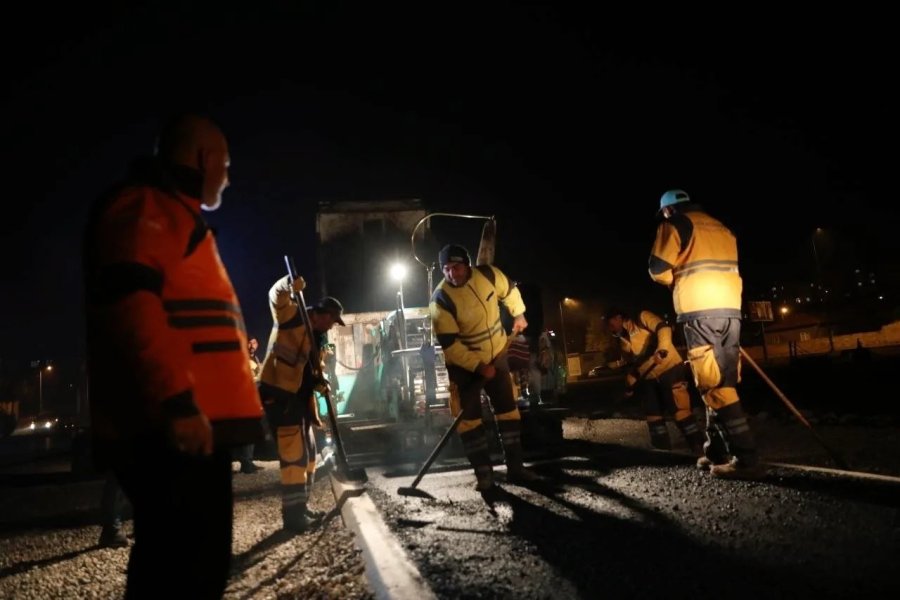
{"points": [[692, 435], [659, 433], [475, 445], [297, 520], [715, 449], [511, 438], [744, 463]]}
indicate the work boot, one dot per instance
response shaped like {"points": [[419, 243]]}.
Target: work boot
{"points": [[733, 423], [112, 536], [249, 468], [734, 469], [511, 438], [484, 478], [704, 464], [659, 435], [692, 435], [710, 456], [298, 520], [299, 524], [476, 447]]}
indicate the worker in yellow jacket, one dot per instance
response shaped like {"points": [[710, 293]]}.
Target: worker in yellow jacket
{"points": [[287, 387], [696, 256], [465, 315], [658, 379]]}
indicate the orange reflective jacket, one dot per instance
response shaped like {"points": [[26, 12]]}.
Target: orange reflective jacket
{"points": [[166, 337]]}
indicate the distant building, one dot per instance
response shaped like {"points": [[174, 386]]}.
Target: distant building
{"points": [[795, 327]]}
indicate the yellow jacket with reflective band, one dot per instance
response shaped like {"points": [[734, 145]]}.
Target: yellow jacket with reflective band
{"points": [[466, 319], [643, 337], [697, 257], [289, 345], [166, 336]]}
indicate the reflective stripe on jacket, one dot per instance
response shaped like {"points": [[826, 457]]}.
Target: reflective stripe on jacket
{"points": [[697, 256], [466, 319]]}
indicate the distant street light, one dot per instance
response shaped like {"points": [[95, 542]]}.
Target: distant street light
{"points": [[48, 368], [818, 231], [398, 274], [562, 324]]}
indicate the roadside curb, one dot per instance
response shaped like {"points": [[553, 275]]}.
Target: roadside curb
{"points": [[389, 570]]}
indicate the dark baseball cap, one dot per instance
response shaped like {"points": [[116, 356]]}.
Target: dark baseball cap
{"points": [[454, 253], [331, 305]]}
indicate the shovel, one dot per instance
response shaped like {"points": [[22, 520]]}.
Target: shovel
{"points": [[412, 490]]}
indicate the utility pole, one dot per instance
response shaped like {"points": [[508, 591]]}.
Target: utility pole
{"points": [[562, 327]]}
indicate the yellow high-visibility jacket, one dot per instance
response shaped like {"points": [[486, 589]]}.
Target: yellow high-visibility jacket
{"points": [[641, 339], [289, 346], [466, 319], [697, 257]]}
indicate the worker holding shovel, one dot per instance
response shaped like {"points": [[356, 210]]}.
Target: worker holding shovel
{"points": [[286, 387]]}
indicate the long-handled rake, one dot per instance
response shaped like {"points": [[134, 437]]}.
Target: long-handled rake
{"points": [[837, 458]]}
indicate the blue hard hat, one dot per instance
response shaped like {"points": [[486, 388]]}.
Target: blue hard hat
{"points": [[673, 197]]}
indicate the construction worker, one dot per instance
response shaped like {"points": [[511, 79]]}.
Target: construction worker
{"points": [[696, 257], [171, 391], [465, 315], [244, 454], [658, 379], [287, 386]]}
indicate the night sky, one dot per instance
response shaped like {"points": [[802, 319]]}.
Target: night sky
{"points": [[567, 124]]}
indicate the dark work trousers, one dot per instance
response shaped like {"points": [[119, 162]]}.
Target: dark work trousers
{"points": [[471, 429], [182, 522], [714, 351], [291, 421], [499, 389]]}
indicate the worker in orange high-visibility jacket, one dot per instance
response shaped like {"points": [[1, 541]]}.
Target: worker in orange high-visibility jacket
{"points": [[171, 391]]}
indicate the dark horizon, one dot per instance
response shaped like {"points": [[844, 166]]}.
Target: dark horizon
{"points": [[565, 126]]}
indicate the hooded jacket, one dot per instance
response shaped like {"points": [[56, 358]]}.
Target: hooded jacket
{"points": [[166, 336]]}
